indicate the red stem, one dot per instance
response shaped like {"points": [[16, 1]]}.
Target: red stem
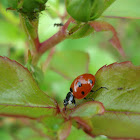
{"points": [[55, 39], [37, 43], [51, 42]]}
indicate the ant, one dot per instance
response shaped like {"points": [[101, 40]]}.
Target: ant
{"points": [[58, 24]]}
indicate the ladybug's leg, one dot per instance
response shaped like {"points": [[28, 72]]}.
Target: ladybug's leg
{"points": [[95, 91], [74, 102], [98, 89]]}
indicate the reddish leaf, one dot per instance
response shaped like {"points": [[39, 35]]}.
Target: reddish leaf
{"points": [[117, 125], [84, 123], [104, 26], [123, 83], [84, 112], [64, 130], [121, 101], [20, 96], [88, 109]]}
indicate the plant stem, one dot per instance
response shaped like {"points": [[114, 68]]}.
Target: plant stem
{"points": [[55, 39], [29, 37], [51, 42]]}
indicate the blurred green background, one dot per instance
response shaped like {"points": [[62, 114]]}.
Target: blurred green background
{"points": [[71, 57]]}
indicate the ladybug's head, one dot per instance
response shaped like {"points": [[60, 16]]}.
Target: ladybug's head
{"points": [[69, 99]]}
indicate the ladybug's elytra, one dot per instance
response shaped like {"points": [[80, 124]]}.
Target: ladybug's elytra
{"points": [[79, 88]]}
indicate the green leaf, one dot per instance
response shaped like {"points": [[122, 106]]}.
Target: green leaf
{"points": [[121, 100], [29, 8], [83, 113], [80, 31], [93, 10], [105, 26], [33, 5], [67, 63], [53, 123], [123, 83], [78, 134], [116, 125], [76, 9], [20, 95], [13, 3], [108, 3], [88, 110]]}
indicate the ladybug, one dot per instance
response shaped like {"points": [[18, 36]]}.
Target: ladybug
{"points": [[80, 88]]}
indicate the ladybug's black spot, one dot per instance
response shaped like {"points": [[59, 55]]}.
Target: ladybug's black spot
{"points": [[83, 92], [79, 84], [71, 90], [90, 81]]}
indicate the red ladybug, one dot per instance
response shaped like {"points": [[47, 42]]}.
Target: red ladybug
{"points": [[79, 88]]}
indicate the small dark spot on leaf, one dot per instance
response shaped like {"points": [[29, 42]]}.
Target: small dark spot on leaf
{"points": [[120, 88], [83, 92], [21, 80]]}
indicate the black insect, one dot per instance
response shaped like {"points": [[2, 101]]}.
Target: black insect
{"points": [[58, 24]]}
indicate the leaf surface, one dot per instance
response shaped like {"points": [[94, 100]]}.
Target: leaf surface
{"points": [[121, 101], [117, 125], [88, 110], [105, 26], [64, 131], [108, 3], [123, 83], [19, 93]]}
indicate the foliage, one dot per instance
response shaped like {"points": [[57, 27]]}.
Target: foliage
{"points": [[34, 89]]}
